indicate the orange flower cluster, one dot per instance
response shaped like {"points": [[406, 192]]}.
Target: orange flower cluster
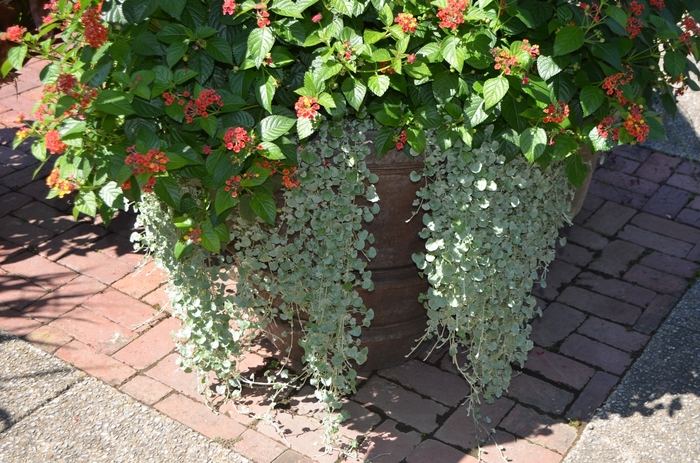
{"points": [[233, 185], [13, 34], [407, 22], [235, 139], [289, 174], [194, 235], [54, 143], [262, 15], [504, 60], [605, 127], [95, 31], [634, 27], [228, 7], [635, 125], [636, 8], [61, 186], [659, 4], [154, 161], [612, 84], [534, 50], [199, 107], [307, 107], [557, 113], [453, 14]]}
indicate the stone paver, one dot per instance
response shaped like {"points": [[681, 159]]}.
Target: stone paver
{"points": [[615, 288], [609, 218], [596, 353], [597, 304], [555, 324], [64, 299], [460, 429], [199, 417], [151, 346], [596, 391], [541, 429], [559, 369], [95, 363], [421, 378], [540, 394], [94, 330]]}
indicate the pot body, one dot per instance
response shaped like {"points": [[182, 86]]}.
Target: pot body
{"points": [[591, 160], [399, 318]]}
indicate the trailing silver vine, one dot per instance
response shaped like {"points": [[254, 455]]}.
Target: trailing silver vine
{"points": [[490, 227]]}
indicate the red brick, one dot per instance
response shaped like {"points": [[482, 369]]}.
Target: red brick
{"points": [[658, 167], [123, 223], [655, 241], [684, 182], [633, 152], [556, 323], [142, 281], [655, 313], [16, 323], [688, 167], [39, 270], [656, 281], [361, 420], [595, 353], [559, 274], [26, 176], [77, 240], [573, 254], [584, 237], [667, 227], [7, 250], [94, 330], [620, 164], [602, 306], [20, 232], [616, 257], [45, 216], [119, 247], [400, 404], [48, 338], [121, 308], [582, 216], [387, 440], [613, 334], [422, 378], [690, 217], [168, 373], [516, 450], [592, 203], [540, 394], [258, 447], [12, 201], [15, 158], [670, 264], [617, 195], [616, 288], [626, 182], [540, 429], [609, 218], [65, 298], [432, 450], [17, 293], [151, 346], [98, 266], [667, 202], [38, 190], [158, 299], [303, 434], [290, 456], [94, 363], [558, 369], [592, 397], [199, 417], [145, 389]]}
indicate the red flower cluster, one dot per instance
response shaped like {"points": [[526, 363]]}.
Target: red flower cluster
{"points": [[410, 59], [659, 4], [235, 139], [316, 18], [228, 7], [95, 32], [407, 22], [199, 106], [504, 60], [634, 27], [148, 187], [307, 107], [453, 14], [154, 161], [232, 185], [635, 125], [194, 235], [385, 66], [401, 140], [690, 28], [65, 84], [592, 11], [62, 187], [54, 143], [13, 34], [347, 54], [556, 113], [262, 15], [605, 126], [534, 50], [636, 8], [289, 174], [612, 84]]}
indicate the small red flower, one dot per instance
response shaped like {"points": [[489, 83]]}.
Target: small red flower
{"points": [[401, 140], [54, 143], [228, 7], [235, 139], [556, 113], [410, 59], [13, 34], [453, 14], [95, 31], [316, 18], [262, 15], [634, 27], [306, 107], [407, 22]]}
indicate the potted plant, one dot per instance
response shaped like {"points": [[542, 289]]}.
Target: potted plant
{"points": [[249, 137]]}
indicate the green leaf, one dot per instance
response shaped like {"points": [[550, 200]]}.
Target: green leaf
{"points": [[600, 143], [210, 239], [608, 52], [265, 92], [173, 33], [263, 205], [148, 108], [416, 138], [576, 170], [183, 249], [453, 53], [224, 201], [533, 141], [168, 190], [371, 36], [674, 63], [383, 141], [175, 53], [173, 7], [114, 102], [591, 98], [305, 127], [260, 43], [547, 67], [379, 84], [272, 151], [386, 16], [354, 91], [273, 127], [494, 90], [210, 125], [86, 202], [474, 112], [219, 49], [568, 39], [15, 57], [112, 195], [445, 86]]}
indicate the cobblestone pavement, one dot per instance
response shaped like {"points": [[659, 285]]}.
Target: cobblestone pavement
{"points": [[76, 290]]}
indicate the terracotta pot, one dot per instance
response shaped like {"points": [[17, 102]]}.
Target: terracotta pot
{"points": [[591, 159], [399, 319]]}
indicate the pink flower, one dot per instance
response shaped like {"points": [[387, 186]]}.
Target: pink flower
{"points": [[317, 17]]}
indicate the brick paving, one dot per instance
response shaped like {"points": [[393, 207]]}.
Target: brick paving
{"points": [[76, 290]]}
